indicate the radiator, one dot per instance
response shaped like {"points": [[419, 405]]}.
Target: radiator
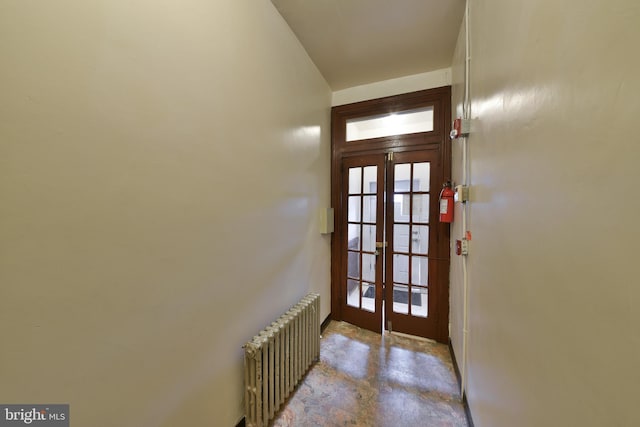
{"points": [[278, 357]]}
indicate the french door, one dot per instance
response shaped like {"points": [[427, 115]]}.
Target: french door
{"points": [[363, 195], [389, 252], [396, 268]]}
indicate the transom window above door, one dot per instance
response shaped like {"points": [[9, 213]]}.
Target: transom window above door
{"points": [[401, 123]]}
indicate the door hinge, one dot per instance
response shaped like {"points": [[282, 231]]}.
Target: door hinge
{"points": [[390, 156]]}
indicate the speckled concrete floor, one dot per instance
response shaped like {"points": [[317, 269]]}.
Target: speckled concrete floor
{"points": [[364, 379]]}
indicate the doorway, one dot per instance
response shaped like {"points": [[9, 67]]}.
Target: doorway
{"points": [[390, 254]]}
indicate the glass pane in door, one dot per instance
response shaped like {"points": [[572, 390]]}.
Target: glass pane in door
{"points": [[368, 238], [354, 208], [370, 180], [419, 302], [353, 299], [369, 209], [420, 211], [355, 180], [419, 270], [400, 299], [368, 296], [361, 225], [421, 174], [420, 239], [353, 237]]}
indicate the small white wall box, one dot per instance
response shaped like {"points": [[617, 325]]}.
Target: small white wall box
{"points": [[461, 127], [461, 194], [326, 220]]}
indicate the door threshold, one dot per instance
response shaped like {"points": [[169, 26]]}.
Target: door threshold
{"points": [[412, 337]]}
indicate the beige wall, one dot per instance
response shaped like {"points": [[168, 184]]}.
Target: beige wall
{"points": [[553, 283], [456, 286], [161, 169], [400, 85]]}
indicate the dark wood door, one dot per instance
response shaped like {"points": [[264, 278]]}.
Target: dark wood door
{"points": [[416, 297], [391, 247], [363, 223], [390, 254]]}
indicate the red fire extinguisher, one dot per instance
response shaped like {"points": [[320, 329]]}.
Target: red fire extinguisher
{"points": [[446, 203]]}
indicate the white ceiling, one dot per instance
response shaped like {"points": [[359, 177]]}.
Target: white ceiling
{"points": [[355, 42]]}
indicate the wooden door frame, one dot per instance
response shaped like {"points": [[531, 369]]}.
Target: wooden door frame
{"points": [[440, 99]]}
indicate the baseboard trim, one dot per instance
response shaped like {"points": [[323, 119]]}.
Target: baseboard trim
{"points": [[325, 323], [465, 403], [455, 364]]}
